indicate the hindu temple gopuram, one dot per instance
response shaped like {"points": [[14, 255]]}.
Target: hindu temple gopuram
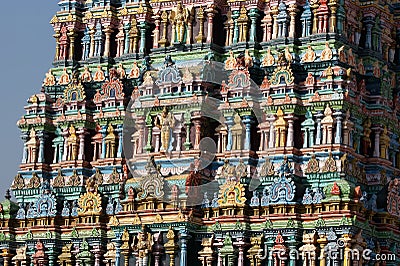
{"points": [[212, 133]]}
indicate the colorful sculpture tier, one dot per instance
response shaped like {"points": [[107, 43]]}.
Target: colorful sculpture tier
{"points": [[212, 133]]}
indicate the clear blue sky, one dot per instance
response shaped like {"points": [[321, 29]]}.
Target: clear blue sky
{"points": [[26, 53]]}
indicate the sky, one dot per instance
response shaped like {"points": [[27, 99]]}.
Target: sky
{"points": [[27, 50]]}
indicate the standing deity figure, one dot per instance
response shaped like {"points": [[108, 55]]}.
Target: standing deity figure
{"points": [[110, 142], [143, 248], [179, 16], [166, 121], [72, 144], [32, 147]]}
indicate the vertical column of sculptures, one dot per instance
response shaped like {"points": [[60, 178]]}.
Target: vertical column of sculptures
{"points": [[42, 137], [72, 35], [292, 12], [210, 23], [200, 16], [253, 14], [267, 25], [57, 36], [338, 117], [377, 131]]}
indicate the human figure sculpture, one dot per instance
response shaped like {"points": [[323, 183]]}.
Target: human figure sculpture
{"points": [[165, 121], [309, 56]]}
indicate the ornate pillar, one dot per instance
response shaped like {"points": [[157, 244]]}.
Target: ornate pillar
{"points": [[315, 18], [290, 133], [338, 135], [368, 26], [274, 12], [200, 17], [71, 35], [117, 243], [184, 237], [108, 32], [42, 137], [127, 27], [24, 137], [188, 123], [82, 132], [92, 41], [197, 128], [235, 16], [118, 130], [240, 244], [253, 14], [164, 20], [143, 28], [318, 116], [247, 121], [156, 31], [271, 120], [377, 131], [332, 25], [57, 37], [210, 27], [229, 123], [65, 136], [292, 12], [103, 132]]}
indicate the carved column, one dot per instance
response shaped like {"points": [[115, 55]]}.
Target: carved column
{"points": [[24, 137], [148, 146], [210, 25], [377, 131], [143, 28], [197, 127], [318, 117], [247, 121], [235, 16], [274, 12], [338, 135], [57, 37], [315, 18], [103, 132], [118, 244], [127, 27], [71, 35], [290, 133], [164, 20], [92, 41], [184, 237], [118, 130], [200, 17], [82, 132], [108, 32], [253, 14], [332, 25], [188, 123], [292, 12], [368, 26], [271, 120], [156, 31], [42, 137], [229, 123]]}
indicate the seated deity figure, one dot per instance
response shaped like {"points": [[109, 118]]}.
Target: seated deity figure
{"points": [[165, 122], [326, 53], [49, 80], [309, 56]]}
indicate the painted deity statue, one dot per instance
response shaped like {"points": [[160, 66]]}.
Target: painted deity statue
{"points": [[309, 56], [165, 121], [49, 80], [143, 248], [180, 18], [72, 144]]}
